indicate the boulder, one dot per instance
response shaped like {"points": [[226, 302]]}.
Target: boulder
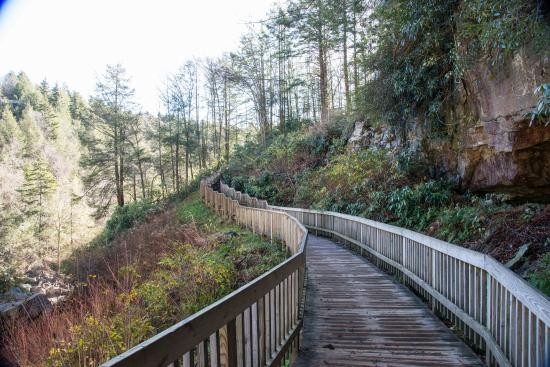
{"points": [[31, 307], [365, 136]]}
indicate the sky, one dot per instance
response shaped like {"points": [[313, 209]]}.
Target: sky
{"points": [[71, 41]]}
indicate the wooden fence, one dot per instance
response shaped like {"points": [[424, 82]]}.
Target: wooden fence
{"points": [[256, 325], [495, 310]]}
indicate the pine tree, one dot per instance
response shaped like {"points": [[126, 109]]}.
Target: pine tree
{"points": [[44, 88], [32, 136], [39, 184], [54, 96], [106, 139], [9, 129]]}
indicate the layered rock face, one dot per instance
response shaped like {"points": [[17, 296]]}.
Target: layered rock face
{"points": [[492, 148], [497, 149]]}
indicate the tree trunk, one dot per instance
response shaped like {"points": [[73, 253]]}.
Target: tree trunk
{"points": [[323, 82], [282, 122], [141, 178], [134, 191], [345, 52], [226, 117], [177, 155], [355, 66]]}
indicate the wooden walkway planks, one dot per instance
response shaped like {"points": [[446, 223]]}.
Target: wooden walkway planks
{"points": [[356, 315]]}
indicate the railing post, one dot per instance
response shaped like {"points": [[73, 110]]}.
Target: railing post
{"points": [[361, 238], [489, 312], [404, 253], [432, 280]]}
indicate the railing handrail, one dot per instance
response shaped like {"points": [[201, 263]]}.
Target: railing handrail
{"points": [[527, 293], [187, 333], [493, 307], [183, 338]]}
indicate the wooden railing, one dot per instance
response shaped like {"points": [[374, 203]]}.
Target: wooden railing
{"points": [[495, 310], [256, 325]]}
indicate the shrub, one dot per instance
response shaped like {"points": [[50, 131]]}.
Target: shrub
{"points": [[194, 211], [541, 277], [459, 224], [186, 281], [149, 278], [126, 217], [495, 29], [416, 206]]}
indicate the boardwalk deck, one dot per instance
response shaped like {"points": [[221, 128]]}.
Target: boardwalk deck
{"points": [[356, 315]]}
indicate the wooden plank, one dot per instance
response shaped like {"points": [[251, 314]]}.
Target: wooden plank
{"points": [[455, 311], [214, 343], [356, 315]]}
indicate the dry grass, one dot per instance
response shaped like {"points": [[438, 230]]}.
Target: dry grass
{"points": [[102, 278]]}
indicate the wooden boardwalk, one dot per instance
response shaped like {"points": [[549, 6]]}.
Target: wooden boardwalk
{"points": [[356, 315]]}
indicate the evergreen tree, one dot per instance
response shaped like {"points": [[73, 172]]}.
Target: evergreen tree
{"points": [[106, 138], [9, 129], [39, 184], [44, 88], [32, 136], [54, 96]]}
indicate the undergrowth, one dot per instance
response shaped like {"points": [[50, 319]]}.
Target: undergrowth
{"points": [[175, 262], [311, 168]]}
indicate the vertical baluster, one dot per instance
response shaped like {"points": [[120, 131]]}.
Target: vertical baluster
{"points": [[189, 359], [525, 337], [541, 344], [280, 310], [289, 304], [202, 354], [214, 349], [240, 339], [507, 303], [260, 312], [247, 338], [532, 340], [546, 352], [273, 300]]}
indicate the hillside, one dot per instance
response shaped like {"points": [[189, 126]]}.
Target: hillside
{"points": [[430, 115], [175, 260], [322, 168], [43, 212]]}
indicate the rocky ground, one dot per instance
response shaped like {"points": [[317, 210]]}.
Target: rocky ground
{"points": [[39, 290]]}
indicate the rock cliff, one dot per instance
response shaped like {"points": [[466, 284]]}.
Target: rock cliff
{"points": [[491, 146], [498, 149]]}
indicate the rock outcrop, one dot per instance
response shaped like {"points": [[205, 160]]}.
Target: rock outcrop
{"points": [[30, 307], [498, 149], [492, 146]]}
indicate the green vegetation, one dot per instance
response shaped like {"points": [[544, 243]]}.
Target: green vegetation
{"points": [[437, 43], [496, 29], [42, 214], [311, 168], [315, 66], [253, 254], [541, 111], [165, 276], [541, 277], [277, 112], [126, 217]]}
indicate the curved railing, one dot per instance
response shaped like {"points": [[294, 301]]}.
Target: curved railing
{"points": [[256, 325], [495, 310]]}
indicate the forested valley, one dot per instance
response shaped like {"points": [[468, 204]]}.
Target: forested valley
{"points": [[433, 116]]}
